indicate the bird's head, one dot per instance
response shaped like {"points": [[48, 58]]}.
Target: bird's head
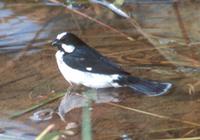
{"points": [[65, 42]]}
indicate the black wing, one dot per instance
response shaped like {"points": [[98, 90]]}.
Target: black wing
{"points": [[85, 57]]}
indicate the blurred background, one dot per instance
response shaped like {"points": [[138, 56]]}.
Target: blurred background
{"points": [[159, 40]]}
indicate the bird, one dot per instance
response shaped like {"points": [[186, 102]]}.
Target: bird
{"points": [[81, 64]]}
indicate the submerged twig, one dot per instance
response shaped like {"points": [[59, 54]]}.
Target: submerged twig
{"points": [[154, 115], [93, 19], [189, 132], [174, 58], [170, 129], [112, 7], [149, 113], [18, 114], [76, 23], [43, 133], [17, 80], [180, 59], [191, 138], [180, 22], [29, 45]]}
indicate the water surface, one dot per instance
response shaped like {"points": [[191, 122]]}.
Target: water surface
{"points": [[26, 31]]}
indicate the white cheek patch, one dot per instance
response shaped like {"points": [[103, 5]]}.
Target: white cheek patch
{"points": [[68, 48], [59, 36]]}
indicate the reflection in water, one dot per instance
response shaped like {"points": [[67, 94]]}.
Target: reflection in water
{"points": [[74, 100], [16, 31], [35, 77], [42, 115], [150, 1], [12, 130]]}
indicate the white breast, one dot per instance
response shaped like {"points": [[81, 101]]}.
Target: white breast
{"points": [[88, 79]]}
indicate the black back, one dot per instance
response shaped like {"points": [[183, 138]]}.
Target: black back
{"points": [[84, 56]]}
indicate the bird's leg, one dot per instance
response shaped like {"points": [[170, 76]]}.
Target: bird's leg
{"points": [[60, 112], [69, 90], [62, 107]]}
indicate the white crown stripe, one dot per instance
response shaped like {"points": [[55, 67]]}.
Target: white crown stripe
{"points": [[59, 36]]}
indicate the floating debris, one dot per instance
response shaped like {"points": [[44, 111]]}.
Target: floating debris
{"points": [[164, 41], [112, 7], [71, 4], [187, 69], [71, 129], [42, 115], [71, 125], [150, 1], [69, 133], [126, 137]]}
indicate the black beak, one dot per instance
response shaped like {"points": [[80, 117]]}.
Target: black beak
{"points": [[55, 43]]}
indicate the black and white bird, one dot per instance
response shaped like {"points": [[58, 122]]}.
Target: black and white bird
{"points": [[83, 65]]}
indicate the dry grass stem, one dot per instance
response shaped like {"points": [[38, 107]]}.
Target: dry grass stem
{"points": [[95, 20], [174, 58], [45, 131], [154, 115]]}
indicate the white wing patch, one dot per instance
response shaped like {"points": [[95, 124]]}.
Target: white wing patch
{"points": [[88, 68], [68, 48], [59, 36]]}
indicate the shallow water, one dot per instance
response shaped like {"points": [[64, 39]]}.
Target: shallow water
{"points": [[17, 30], [29, 73]]}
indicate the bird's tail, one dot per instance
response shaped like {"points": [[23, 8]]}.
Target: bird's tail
{"points": [[150, 88]]}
